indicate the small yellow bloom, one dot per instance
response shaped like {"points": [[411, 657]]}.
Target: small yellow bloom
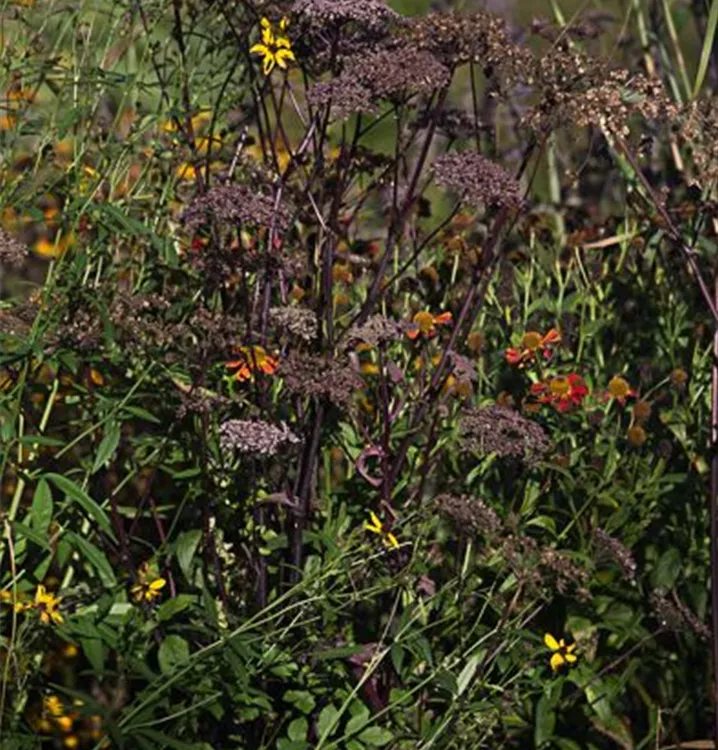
{"points": [[64, 723], [274, 49], [47, 606], [53, 705], [562, 653], [148, 586], [376, 527]]}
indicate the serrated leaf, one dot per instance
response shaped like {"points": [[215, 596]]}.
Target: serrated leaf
{"points": [[376, 736], [297, 730], [173, 651]]}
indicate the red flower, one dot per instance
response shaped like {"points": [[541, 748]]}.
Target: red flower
{"points": [[563, 391], [252, 359], [532, 342]]}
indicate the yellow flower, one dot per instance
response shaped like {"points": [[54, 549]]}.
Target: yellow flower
{"points": [[376, 527], [274, 49], [47, 605], [562, 654], [53, 705], [148, 586]]}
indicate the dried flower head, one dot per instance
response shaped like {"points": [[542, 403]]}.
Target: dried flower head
{"points": [[611, 549], [254, 436], [338, 12], [675, 615], [318, 377], [12, 253], [293, 320], [478, 180], [376, 330], [469, 514], [503, 431], [239, 205]]}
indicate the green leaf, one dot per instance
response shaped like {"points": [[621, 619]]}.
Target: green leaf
{"points": [[359, 720], [326, 724], [298, 729], [185, 549], [41, 508], [667, 569], [77, 494], [95, 557], [467, 674], [28, 533], [173, 651], [707, 48], [167, 610], [302, 699], [108, 446], [545, 721], [95, 653], [376, 736]]}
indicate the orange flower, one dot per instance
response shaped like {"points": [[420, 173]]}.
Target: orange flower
{"points": [[563, 391], [531, 342], [619, 389], [424, 324], [253, 359]]}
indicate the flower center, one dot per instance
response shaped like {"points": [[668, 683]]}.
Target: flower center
{"points": [[618, 387], [425, 321], [559, 386], [531, 341]]}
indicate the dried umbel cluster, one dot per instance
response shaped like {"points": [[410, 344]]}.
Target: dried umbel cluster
{"points": [[611, 549], [675, 615], [13, 253], [470, 514], [239, 205], [397, 70], [575, 89], [250, 436], [319, 377], [457, 38], [477, 180], [698, 127], [503, 431], [327, 13], [294, 321], [377, 330]]}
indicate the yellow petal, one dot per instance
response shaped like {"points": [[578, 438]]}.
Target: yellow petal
{"points": [[571, 658], [158, 584], [265, 23], [268, 64], [551, 642], [282, 56], [570, 648], [557, 661], [375, 522], [283, 23], [260, 49], [391, 541]]}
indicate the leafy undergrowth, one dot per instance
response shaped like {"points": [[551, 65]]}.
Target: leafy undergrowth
{"points": [[354, 377]]}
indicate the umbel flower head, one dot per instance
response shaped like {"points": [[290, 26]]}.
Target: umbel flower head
{"points": [[562, 654], [275, 49]]}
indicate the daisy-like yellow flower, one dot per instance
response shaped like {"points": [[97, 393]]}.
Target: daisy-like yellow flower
{"points": [[148, 586], [275, 49], [53, 706], [376, 527], [47, 605], [562, 653]]}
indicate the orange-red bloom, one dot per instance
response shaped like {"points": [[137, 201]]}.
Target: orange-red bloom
{"points": [[532, 342], [563, 391], [253, 359], [424, 324]]}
